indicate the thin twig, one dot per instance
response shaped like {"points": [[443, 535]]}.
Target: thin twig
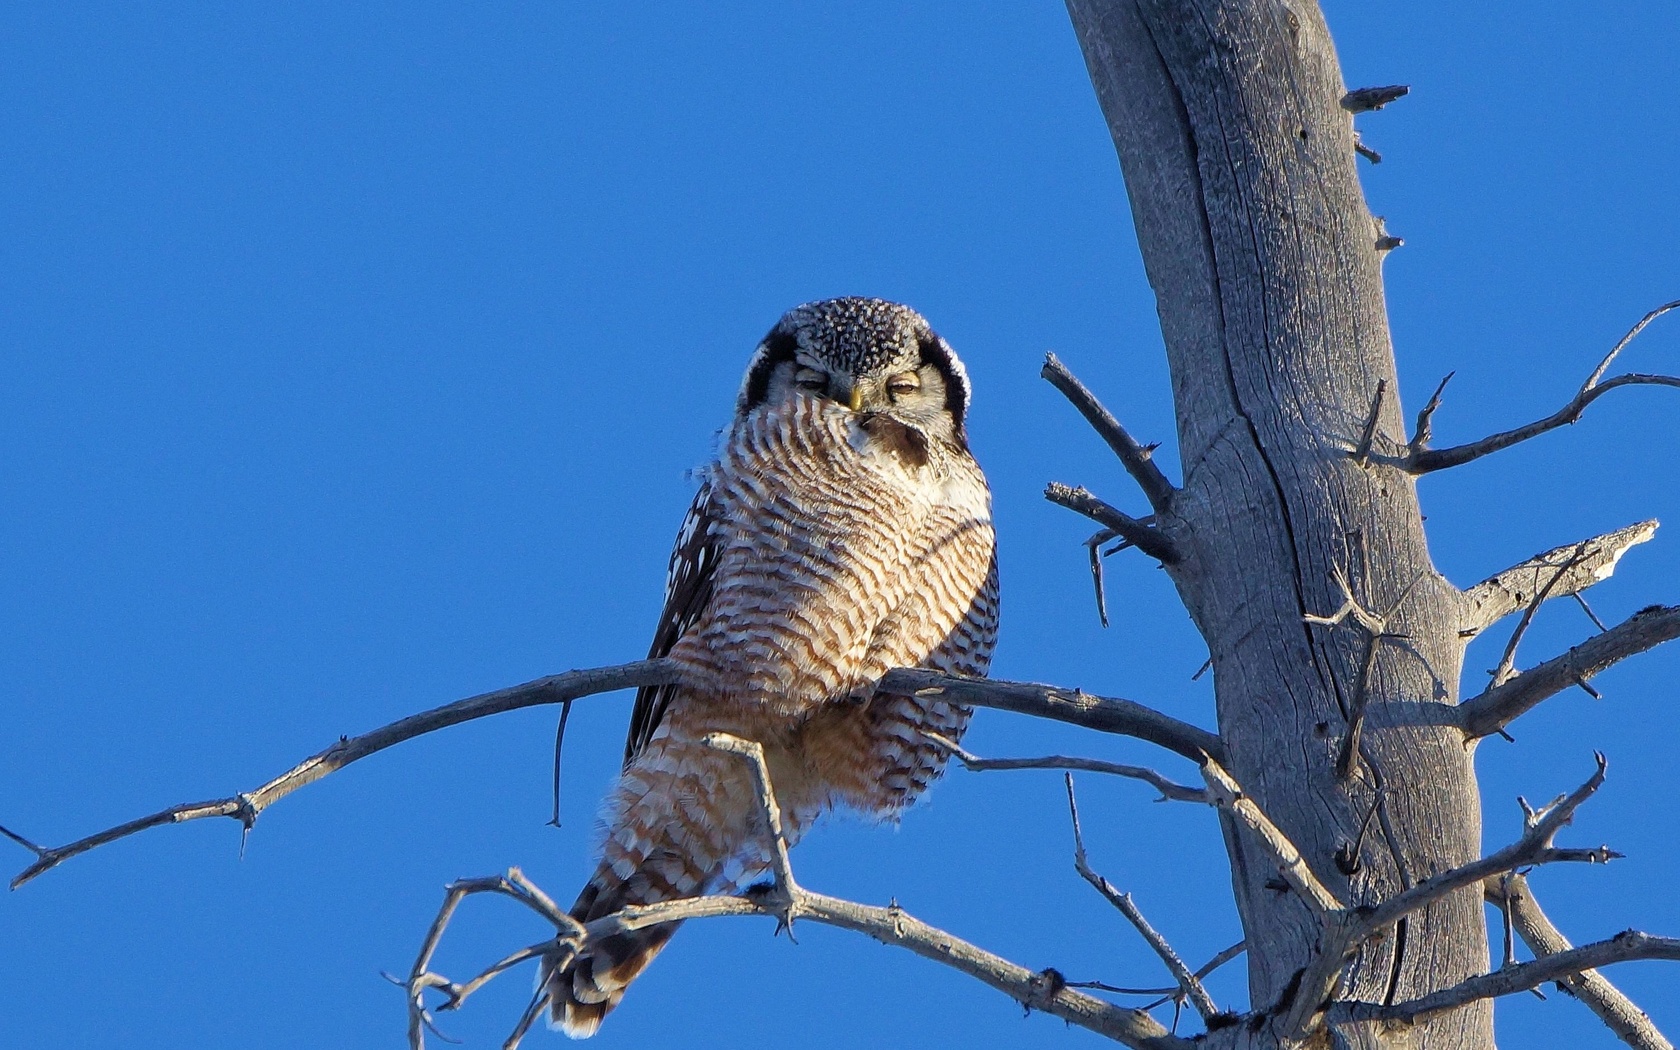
{"points": [[559, 741], [1189, 985], [781, 869], [1581, 600], [247, 806], [1145, 537], [1134, 457], [1426, 419], [1362, 451], [1093, 547], [1169, 790], [1506, 669], [1424, 460]]}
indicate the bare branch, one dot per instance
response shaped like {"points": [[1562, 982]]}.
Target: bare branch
{"points": [[1426, 419], [1594, 560], [1366, 100], [1362, 451], [1045, 990], [247, 806], [1169, 790], [1375, 626], [1628, 946], [1506, 669], [894, 926], [1534, 847], [1228, 796], [1145, 537], [513, 884], [1104, 714], [1499, 705], [1322, 973], [1093, 546], [781, 869], [1189, 985], [1424, 460], [1134, 457], [1510, 892]]}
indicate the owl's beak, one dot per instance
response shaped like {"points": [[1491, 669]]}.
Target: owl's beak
{"points": [[856, 401]]}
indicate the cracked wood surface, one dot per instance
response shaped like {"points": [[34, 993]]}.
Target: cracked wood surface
{"points": [[1239, 163]]}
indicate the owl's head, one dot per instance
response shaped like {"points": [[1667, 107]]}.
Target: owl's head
{"points": [[868, 355]]}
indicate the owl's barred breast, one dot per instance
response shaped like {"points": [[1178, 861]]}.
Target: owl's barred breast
{"points": [[841, 558]]}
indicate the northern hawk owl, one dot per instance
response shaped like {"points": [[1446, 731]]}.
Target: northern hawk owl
{"points": [[843, 530]]}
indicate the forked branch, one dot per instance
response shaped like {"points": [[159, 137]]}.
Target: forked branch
{"points": [[1189, 985], [1422, 460], [1501, 704], [1137, 459], [783, 899], [246, 806], [1628, 946], [1140, 534], [1511, 894], [1581, 564], [1534, 847]]}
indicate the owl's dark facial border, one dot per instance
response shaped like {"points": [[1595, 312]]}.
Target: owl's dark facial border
{"points": [[938, 353], [778, 347]]}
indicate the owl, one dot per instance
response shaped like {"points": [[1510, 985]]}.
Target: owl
{"points": [[843, 530]]}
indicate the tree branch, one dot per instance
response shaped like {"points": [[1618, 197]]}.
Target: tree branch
{"points": [[514, 884], [1423, 460], [246, 806], [1045, 990], [783, 899], [1285, 857], [1189, 985], [1134, 457], [1627, 946], [1499, 705], [1104, 714], [1109, 715], [1169, 790], [1507, 592], [1534, 847], [1511, 894], [1145, 537]]}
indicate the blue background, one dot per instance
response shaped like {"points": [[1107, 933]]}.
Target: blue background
{"points": [[355, 356]]}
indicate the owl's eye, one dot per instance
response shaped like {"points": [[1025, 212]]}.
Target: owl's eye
{"points": [[810, 379], [900, 385]]}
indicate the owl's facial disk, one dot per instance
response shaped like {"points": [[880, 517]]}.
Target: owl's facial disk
{"points": [[871, 357], [915, 395]]}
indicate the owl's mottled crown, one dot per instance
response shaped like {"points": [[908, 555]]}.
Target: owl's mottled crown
{"points": [[859, 336]]}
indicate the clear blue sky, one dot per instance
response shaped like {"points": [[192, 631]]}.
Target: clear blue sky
{"points": [[354, 357]]}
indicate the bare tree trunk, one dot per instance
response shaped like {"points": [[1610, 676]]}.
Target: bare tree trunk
{"points": [[1266, 265]]}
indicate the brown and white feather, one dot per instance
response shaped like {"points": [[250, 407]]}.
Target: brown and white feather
{"points": [[826, 546]]}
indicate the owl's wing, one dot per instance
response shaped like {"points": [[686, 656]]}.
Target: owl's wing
{"points": [[688, 589]]}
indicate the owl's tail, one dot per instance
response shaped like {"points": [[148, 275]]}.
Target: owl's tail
{"points": [[680, 823], [586, 988]]}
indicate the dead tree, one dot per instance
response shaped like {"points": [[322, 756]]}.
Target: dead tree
{"points": [[1342, 765]]}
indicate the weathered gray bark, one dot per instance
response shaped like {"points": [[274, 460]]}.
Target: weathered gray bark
{"points": [[1239, 162]]}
